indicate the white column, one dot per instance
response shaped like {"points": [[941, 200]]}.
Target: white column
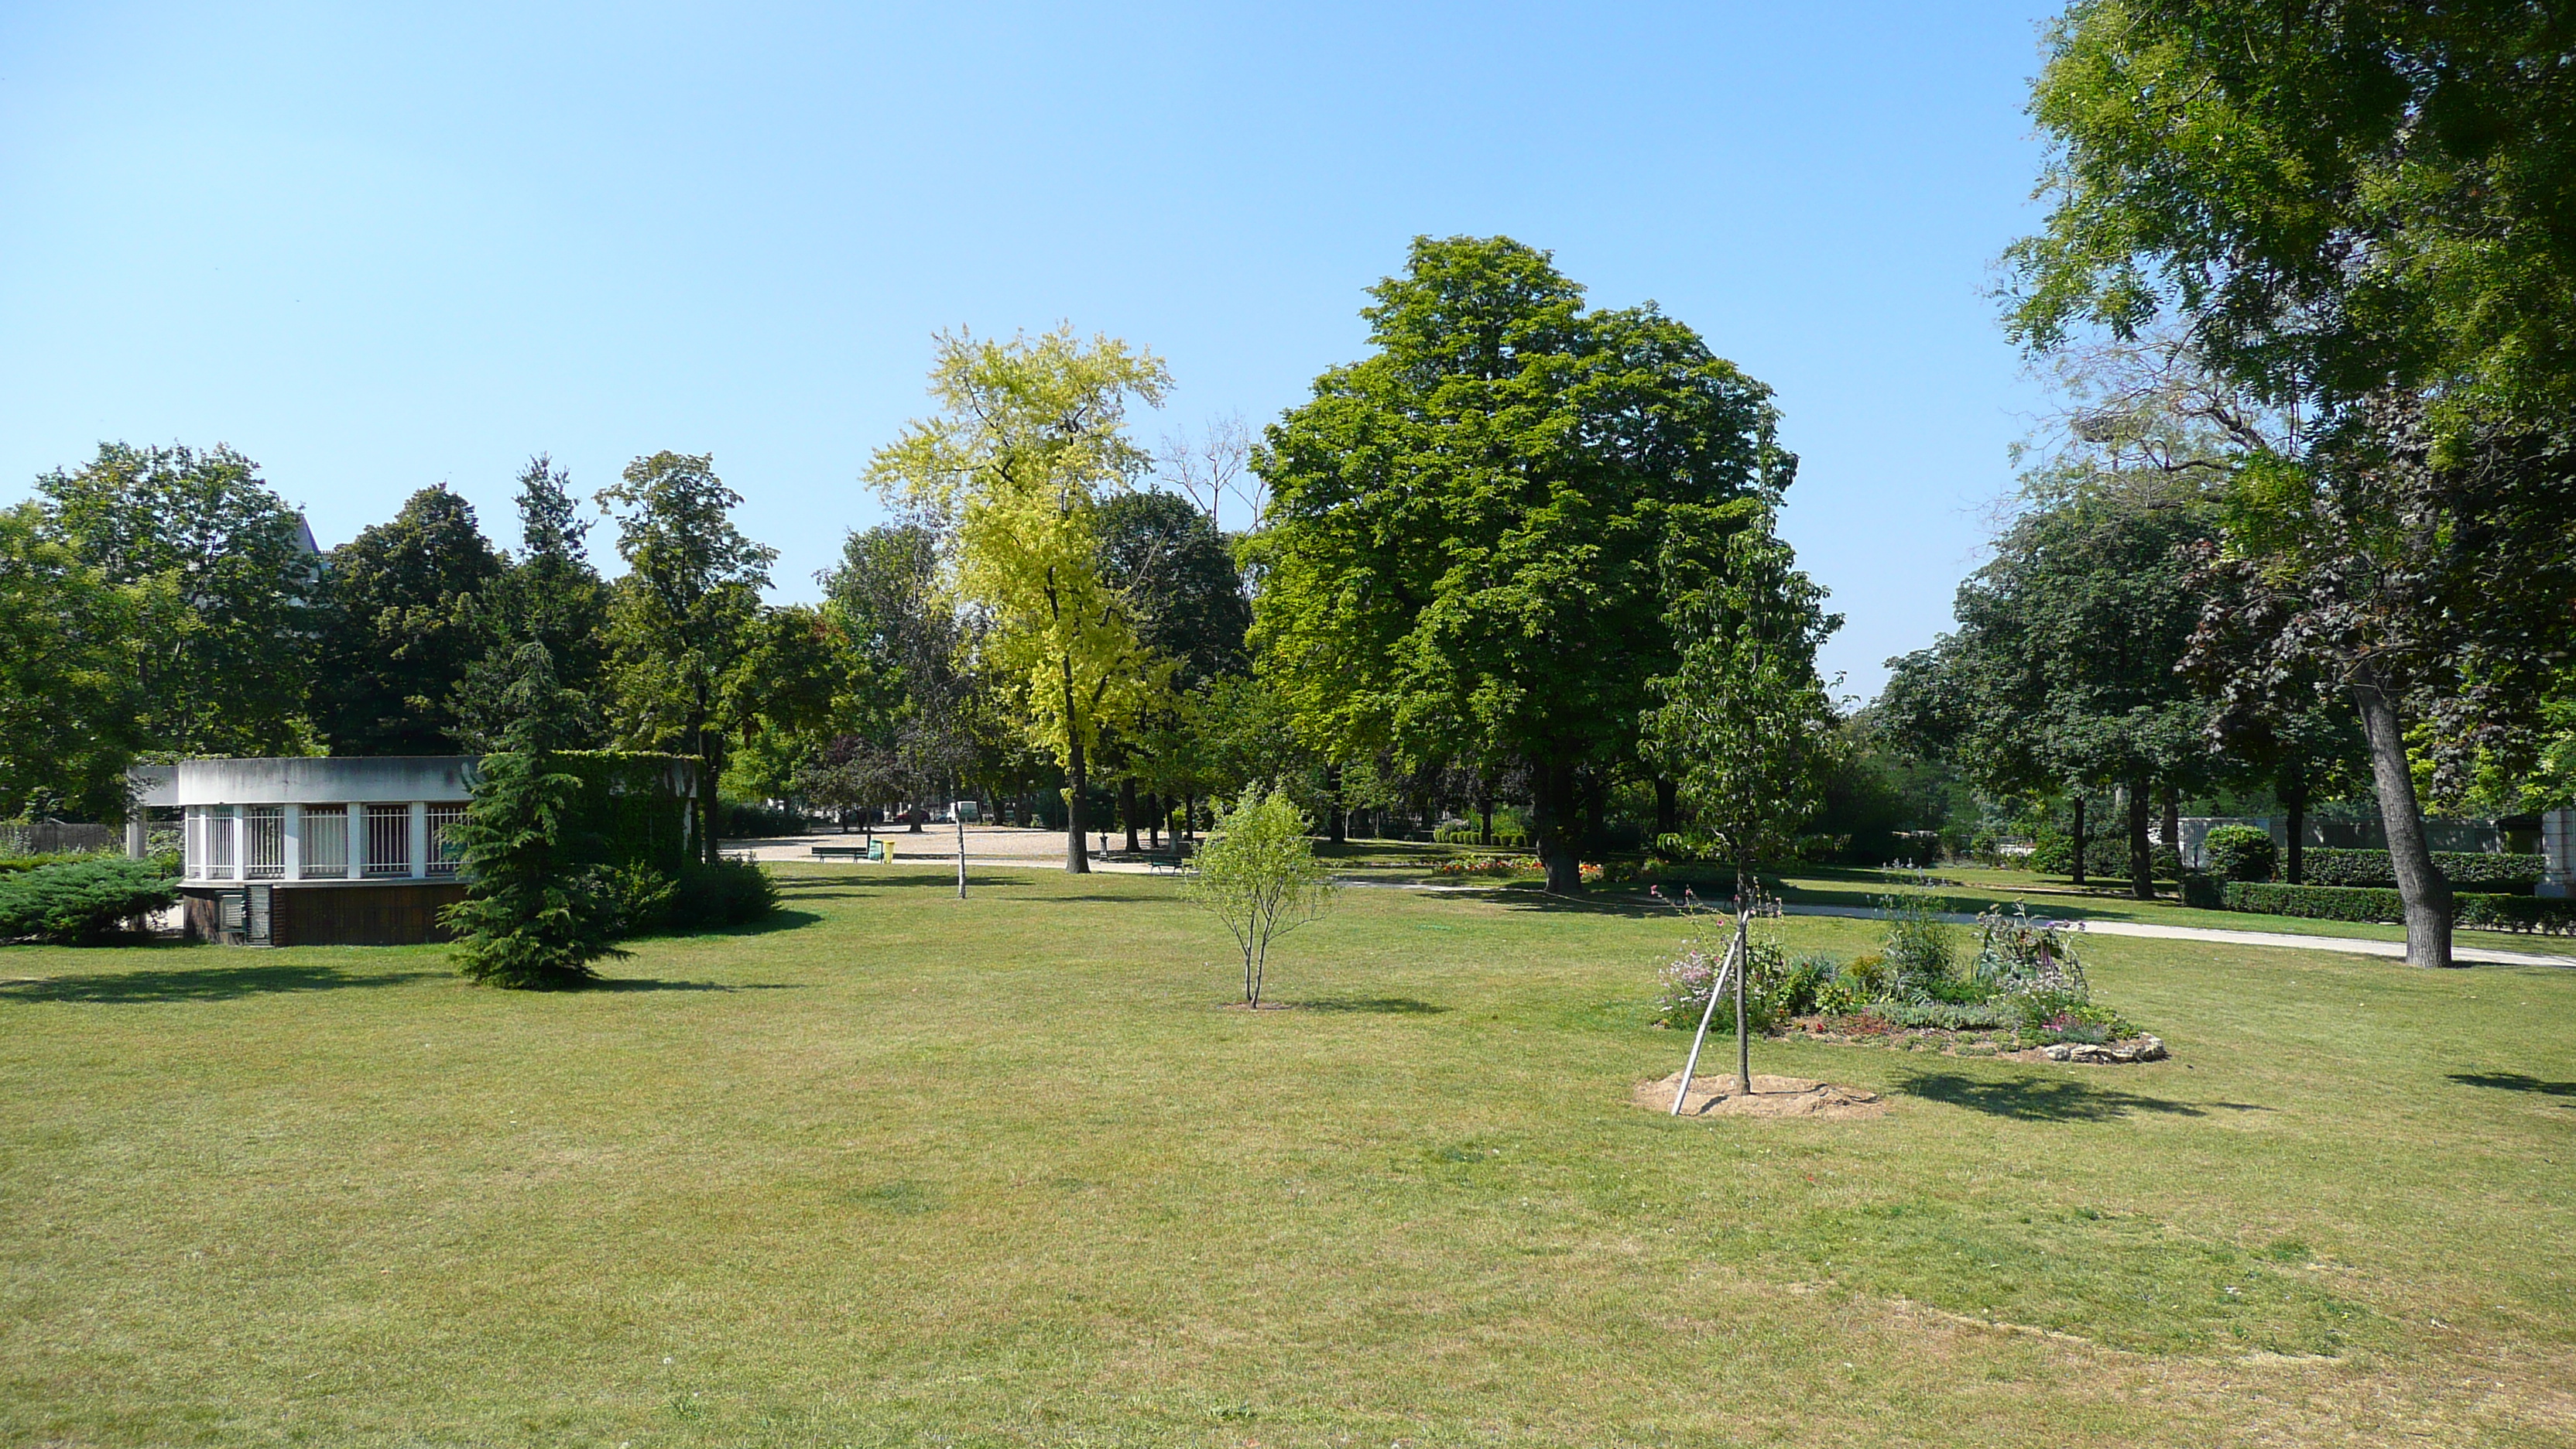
{"points": [[2558, 853], [241, 836], [294, 842], [420, 840]]}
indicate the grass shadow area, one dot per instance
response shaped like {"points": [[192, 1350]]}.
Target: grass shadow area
{"points": [[2039, 1099], [217, 983], [648, 983], [2515, 1082], [1371, 1005]]}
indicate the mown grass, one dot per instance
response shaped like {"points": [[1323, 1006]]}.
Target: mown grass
{"points": [[909, 1170]]}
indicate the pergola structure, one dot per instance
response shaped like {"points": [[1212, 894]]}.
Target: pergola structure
{"points": [[313, 850]]}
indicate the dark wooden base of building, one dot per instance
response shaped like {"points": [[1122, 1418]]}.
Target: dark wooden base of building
{"points": [[311, 913]]}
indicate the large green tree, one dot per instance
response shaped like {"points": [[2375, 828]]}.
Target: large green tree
{"points": [[228, 583], [1476, 534], [1186, 595], [1030, 443], [685, 615], [1744, 713], [72, 713], [547, 594], [407, 620], [2063, 670], [2362, 217]]}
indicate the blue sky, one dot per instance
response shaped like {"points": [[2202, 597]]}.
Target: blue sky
{"points": [[378, 250]]}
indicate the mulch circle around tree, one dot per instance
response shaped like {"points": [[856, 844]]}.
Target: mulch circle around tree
{"points": [[1721, 1095]]}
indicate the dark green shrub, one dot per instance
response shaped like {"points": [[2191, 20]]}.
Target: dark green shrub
{"points": [[79, 901], [2106, 857], [638, 897], [2242, 852], [2517, 913], [2490, 871], [751, 820], [730, 893], [2201, 889]]}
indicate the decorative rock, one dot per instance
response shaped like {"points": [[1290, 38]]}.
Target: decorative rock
{"points": [[2136, 1049]]}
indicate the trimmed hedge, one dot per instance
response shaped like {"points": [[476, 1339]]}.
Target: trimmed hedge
{"points": [[2471, 911], [633, 807], [2513, 874]]}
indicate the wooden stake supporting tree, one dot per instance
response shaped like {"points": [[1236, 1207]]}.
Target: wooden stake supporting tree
{"points": [[1738, 953]]}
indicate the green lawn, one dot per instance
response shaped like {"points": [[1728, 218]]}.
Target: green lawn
{"points": [[909, 1170]]}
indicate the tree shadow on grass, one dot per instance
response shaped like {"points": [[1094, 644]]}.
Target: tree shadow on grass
{"points": [[782, 920], [1630, 906], [647, 983], [1370, 1005], [2040, 1099], [220, 983], [2514, 1082], [864, 884]]}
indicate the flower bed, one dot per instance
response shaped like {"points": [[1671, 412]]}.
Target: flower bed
{"points": [[2023, 990]]}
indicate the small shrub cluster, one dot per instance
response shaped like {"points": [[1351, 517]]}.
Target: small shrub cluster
{"points": [[2106, 857], [647, 902], [75, 902], [751, 820], [1492, 865], [2241, 852]]}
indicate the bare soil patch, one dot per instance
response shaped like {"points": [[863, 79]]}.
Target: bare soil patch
{"points": [[1724, 1096]]}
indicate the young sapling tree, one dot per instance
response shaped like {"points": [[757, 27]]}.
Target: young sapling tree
{"points": [[1258, 874]]}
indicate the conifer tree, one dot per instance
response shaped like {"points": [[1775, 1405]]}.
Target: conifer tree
{"points": [[533, 918]]}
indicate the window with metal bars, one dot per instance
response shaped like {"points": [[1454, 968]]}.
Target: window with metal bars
{"points": [[263, 842], [388, 840], [326, 842], [444, 857], [216, 821]]}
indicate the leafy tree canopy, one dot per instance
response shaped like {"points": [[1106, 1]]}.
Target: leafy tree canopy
{"points": [[1029, 444], [228, 583], [71, 707], [686, 613], [407, 619], [548, 594], [1476, 533]]}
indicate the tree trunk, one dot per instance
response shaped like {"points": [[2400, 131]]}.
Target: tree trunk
{"points": [[1335, 829], [2079, 837], [1157, 810], [1077, 773], [2142, 861], [1127, 810], [2173, 821], [1485, 820], [1667, 803], [2422, 890], [2294, 798], [711, 769], [1555, 810]]}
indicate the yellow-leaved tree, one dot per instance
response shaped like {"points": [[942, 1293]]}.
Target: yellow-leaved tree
{"points": [[1029, 441]]}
